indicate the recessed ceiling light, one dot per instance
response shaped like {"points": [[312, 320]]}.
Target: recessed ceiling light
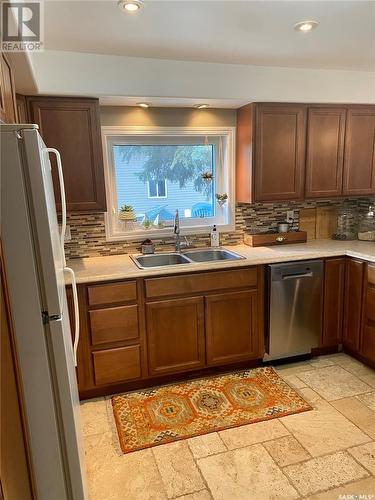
{"points": [[306, 26], [201, 106], [130, 5], [143, 104]]}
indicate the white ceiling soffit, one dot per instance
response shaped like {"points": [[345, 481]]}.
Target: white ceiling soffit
{"points": [[230, 32], [81, 74]]}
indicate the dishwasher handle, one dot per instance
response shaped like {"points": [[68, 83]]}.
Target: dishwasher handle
{"points": [[297, 275]]}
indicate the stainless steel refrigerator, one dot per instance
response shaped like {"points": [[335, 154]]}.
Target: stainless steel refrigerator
{"points": [[33, 245]]}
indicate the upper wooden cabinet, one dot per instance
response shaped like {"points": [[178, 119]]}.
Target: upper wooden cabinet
{"points": [[8, 108], [359, 162], [72, 126], [270, 152], [325, 151], [296, 151]]}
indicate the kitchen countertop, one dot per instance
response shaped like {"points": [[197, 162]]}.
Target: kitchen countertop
{"points": [[96, 269]]}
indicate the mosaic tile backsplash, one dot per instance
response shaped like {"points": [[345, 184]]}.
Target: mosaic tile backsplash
{"points": [[88, 230]]}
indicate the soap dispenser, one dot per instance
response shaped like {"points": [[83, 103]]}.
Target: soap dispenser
{"points": [[215, 237]]}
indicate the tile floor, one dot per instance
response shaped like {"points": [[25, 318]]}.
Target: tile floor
{"points": [[320, 454]]}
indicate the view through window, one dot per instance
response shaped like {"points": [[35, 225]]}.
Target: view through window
{"points": [[158, 179]]}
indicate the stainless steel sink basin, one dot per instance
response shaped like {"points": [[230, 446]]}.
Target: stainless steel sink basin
{"points": [[159, 260], [212, 254]]}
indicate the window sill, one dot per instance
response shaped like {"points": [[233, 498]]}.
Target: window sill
{"points": [[156, 234]]}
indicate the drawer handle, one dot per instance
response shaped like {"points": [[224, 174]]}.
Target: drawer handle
{"points": [[280, 239]]}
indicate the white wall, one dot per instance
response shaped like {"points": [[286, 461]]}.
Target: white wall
{"points": [[71, 73]]}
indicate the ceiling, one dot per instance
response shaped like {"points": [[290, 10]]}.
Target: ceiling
{"points": [[234, 32]]}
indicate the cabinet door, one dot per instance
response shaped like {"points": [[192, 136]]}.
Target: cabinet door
{"points": [[72, 126], [232, 332], [368, 334], [353, 303], [175, 335], [280, 152], [8, 110], [359, 156], [334, 279], [325, 150], [22, 116]]}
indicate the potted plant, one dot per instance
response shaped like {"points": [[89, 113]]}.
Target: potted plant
{"points": [[221, 198], [207, 176], [147, 224], [126, 213]]}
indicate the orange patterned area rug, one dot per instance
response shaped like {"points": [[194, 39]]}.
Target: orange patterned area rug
{"points": [[168, 413]]}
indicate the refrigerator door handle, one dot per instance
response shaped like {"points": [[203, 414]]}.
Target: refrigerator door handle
{"points": [[62, 195], [76, 312]]}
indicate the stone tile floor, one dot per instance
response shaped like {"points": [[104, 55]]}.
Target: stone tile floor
{"points": [[320, 454]]}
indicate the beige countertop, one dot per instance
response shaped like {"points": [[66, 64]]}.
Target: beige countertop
{"points": [[96, 269]]}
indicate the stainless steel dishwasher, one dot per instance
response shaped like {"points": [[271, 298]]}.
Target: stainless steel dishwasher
{"points": [[294, 319]]}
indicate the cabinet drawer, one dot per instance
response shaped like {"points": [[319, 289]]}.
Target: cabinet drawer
{"points": [[117, 365], [370, 304], [371, 274], [112, 293], [199, 283], [114, 324]]}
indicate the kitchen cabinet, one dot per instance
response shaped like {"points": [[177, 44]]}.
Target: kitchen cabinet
{"points": [[325, 152], [22, 109], [359, 158], [368, 333], [279, 152], [232, 327], [297, 151], [333, 302], [175, 335], [270, 152], [354, 283], [8, 108], [72, 126], [139, 332]]}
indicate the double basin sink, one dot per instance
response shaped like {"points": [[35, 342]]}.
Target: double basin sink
{"points": [[188, 257]]}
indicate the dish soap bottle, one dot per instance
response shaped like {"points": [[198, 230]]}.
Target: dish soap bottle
{"points": [[214, 237], [366, 231]]}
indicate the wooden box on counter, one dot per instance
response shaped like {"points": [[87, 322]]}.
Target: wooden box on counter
{"points": [[267, 239]]}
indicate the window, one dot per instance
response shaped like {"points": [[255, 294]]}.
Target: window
{"points": [[157, 189], [157, 171]]}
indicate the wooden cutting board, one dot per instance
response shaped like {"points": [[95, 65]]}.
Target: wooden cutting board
{"points": [[326, 218], [307, 222]]}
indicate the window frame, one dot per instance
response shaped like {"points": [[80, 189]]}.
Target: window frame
{"points": [[124, 135]]}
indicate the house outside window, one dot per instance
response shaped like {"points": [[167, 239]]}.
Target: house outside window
{"points": [[160, 170]]}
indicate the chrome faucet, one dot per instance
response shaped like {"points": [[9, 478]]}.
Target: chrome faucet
{"points": [[178, 243], [177, 236]]}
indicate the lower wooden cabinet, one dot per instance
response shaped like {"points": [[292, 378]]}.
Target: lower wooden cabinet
{"points": [[139, 330], [333, 307], [353, 303], [117, 365], [368, 332], [175, 335], [232, 327]]}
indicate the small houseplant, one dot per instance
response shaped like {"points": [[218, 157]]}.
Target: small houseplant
{"points": [[126, 213], [207, 176], [221, 198]]}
